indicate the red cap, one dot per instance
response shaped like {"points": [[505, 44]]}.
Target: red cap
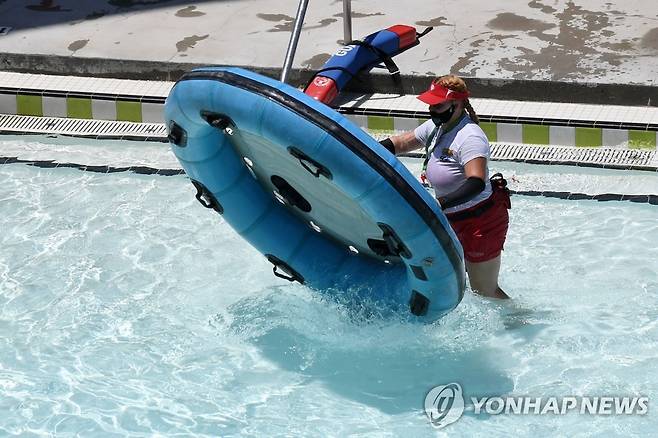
{"points": [[437, 93]]}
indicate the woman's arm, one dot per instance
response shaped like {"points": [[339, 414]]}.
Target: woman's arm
{"points": [[475, 171], [477, 167], [404, 142]]}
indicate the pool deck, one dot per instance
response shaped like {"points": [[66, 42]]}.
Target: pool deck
{"points": [[535, 50]]}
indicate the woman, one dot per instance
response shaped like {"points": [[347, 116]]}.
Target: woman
{"points": [[457, 152]]}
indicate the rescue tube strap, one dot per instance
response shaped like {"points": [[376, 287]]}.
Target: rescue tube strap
{"points": [[425, 32], [383, 56], [322, 70]]}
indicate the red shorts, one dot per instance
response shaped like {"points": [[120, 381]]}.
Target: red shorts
{"points": [[483, 237]]}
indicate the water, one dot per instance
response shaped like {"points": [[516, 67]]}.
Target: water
{"points": [[127, 309]]}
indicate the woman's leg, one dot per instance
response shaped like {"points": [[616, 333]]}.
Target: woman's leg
{"points": [[483, 278]]}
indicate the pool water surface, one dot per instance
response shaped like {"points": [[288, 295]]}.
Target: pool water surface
{"points": [[128, 309]]}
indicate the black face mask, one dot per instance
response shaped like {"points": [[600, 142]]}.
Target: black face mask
{"points": [[441, 118]]}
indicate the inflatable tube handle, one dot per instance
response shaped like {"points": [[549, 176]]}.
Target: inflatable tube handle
{"points": [[393, 242], [418, 303], [288, 272], [313, 167], [206, 198], [219, 121], [177, 135]]}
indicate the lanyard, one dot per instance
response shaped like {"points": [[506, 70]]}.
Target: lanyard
{"points": [[428, 146]]}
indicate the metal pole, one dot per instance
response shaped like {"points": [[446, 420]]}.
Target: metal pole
{"points": [[347, 21], [294, 38]]}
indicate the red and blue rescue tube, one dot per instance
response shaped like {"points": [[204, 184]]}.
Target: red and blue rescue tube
{"points": [[362, 55]]}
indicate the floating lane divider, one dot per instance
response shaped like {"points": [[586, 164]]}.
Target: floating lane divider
{"points": [[145, 170], [602, 197], [51, 164]]}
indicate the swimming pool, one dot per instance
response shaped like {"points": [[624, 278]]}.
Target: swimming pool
{"points": [[127, 309]]}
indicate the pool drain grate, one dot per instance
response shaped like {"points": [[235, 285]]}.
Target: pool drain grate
{"points": [[607, 158], [636, 159], [579, 156], [98, 129]]}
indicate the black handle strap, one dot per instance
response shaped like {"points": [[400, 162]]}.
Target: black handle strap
{"points": [[383, 56], [206, 198], [218, 121], [288, 272], [177, 135], [393, 241], [291, 196], [425, 32], [322, 70], [313, 167]]}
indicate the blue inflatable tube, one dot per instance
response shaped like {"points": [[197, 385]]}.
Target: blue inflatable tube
{"points": [[321, 199]]}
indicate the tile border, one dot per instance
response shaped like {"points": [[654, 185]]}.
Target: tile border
{"points": [[532, 133], [526, 130], [99, 106]]}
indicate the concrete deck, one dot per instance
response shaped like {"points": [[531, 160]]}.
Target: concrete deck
{"points": [[600, 44]]}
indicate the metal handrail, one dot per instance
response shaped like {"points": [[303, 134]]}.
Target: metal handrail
{"points": [[294, 38], [347, 21], [299, 21]]}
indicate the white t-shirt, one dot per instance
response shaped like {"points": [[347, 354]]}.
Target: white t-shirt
{"points": [[445, 168]]}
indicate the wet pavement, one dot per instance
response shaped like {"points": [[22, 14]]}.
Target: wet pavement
{"points": [[613, 42]]}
